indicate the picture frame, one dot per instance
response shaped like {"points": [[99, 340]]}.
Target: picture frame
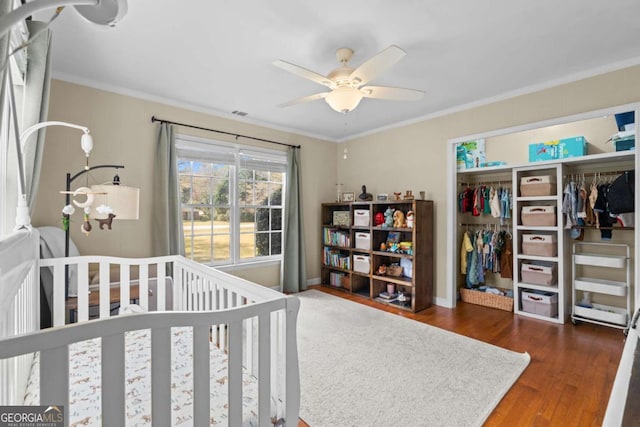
{"points": [[382, 197], [347, 196]]}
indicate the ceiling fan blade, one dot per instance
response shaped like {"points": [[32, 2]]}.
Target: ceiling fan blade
{"points": [[304, 73], [304, 99], [377, 64], [393, 93]]}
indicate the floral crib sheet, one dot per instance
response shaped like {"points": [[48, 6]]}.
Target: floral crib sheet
{"points": [[85, 378]]}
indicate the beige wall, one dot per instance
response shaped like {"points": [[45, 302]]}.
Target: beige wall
{"points": [[411, 157], [414, 157], [123, 134]]}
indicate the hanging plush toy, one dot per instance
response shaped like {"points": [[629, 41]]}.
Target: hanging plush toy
{"points": [[86, 225]]}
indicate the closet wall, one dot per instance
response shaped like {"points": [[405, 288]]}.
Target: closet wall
{"points": [[511, 146]]}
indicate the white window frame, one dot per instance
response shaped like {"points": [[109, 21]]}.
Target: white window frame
{"points": [[185, 143]]}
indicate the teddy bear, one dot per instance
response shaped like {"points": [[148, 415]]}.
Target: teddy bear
{"points": [[388, 217], [398, 219]]}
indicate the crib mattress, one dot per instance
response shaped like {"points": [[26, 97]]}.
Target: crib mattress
{"points": [[85, 378]]}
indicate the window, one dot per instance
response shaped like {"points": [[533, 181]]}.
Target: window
{"points": [[232, 201]]}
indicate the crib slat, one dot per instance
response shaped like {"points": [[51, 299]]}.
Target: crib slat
{"points": [[161, 298], [235, 373], [201, 375], [143, 290], [125, 285], [264, 363], [83, 292], [58, 295], [105, 292], [161, 377], [54, 377], [113, 399]]}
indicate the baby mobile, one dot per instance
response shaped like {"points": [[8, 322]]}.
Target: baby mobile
{"points": [[102, 209]]}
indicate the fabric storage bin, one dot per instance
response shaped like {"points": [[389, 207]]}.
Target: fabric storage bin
{"points": [[539, 244], [537, 274], [542, 303], [361, 263], [538, 215], [363, 241], [542, 185], [361, 217]]}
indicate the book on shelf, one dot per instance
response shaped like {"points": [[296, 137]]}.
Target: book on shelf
{"points": [[387, 296], [380, 299]]}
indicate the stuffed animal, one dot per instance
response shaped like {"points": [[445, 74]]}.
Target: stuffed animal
{"points": [[388, 217], [410, 219], [398, 219]]}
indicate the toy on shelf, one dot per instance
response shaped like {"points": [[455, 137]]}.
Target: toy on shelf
{"points": [[388, 217], [409, 218], [398, 219], [378, 219], [397, 195]]}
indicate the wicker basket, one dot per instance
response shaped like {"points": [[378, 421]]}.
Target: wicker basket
{"points": [[487, 299], [394, 270]]}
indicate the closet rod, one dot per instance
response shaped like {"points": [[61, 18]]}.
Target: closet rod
{"points": [[505, 182], [590, 174], [486, 224], [236, 135]]}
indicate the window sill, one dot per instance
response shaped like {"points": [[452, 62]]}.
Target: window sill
{"points": [[248, 265]]}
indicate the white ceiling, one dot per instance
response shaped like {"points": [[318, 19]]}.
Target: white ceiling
{"points": [[216, 56]]}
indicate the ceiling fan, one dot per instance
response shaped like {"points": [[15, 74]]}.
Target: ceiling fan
{"points": [[347, 84]]}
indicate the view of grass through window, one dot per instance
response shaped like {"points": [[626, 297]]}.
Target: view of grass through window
{"points": [[209, 206]]}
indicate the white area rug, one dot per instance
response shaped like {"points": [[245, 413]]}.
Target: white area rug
{"points": [[364, 367]]}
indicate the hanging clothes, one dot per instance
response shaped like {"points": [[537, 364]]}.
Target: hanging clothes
{"points": [[465, 248], [506, 258]]}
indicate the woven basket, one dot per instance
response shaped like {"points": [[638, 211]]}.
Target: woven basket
{"points": [[487, 299], [394, 270]]}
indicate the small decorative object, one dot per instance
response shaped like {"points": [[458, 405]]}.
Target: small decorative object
{"points": [[382, 197], [86, 225], [67, 211], [388, 217], [398, 219], [383, 246], [408, 195], [402, 297], [382, 271], [391, 288], [364, 196], [378, 219], [397, 195], [106, 221], [348, 196], [409, 218], [339, 190], [423, 194]]}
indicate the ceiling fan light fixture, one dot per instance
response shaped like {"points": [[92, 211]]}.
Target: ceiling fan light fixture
{"points": [[344, 99]]}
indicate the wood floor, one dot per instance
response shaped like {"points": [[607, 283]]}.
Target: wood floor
{"points": [[571, 372]]}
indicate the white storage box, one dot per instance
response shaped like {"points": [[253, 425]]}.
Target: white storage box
{"points": [[361, 263], [542, 185], [361, 217], [542, 303], [538, 274], [363, 241], [539, 215], [539, 244]]}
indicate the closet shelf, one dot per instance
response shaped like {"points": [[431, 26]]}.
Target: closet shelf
{"points": [[604, 313], [538, 257], [543, 288], [593, 227]]}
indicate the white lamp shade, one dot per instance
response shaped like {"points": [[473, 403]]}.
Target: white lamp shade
{"points": [[344, 98], [125, 201]]}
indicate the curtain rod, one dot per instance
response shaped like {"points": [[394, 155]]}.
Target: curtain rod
{"points": [[155, 119]]}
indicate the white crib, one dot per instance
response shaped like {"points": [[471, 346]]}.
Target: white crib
{"points": [[254, 327]]}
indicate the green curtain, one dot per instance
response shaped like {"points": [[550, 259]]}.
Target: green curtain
{"points": [[166, 223], [294, 272], [36, 103]]}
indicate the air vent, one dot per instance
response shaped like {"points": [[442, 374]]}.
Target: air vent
{"points": [[239, 113]]}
